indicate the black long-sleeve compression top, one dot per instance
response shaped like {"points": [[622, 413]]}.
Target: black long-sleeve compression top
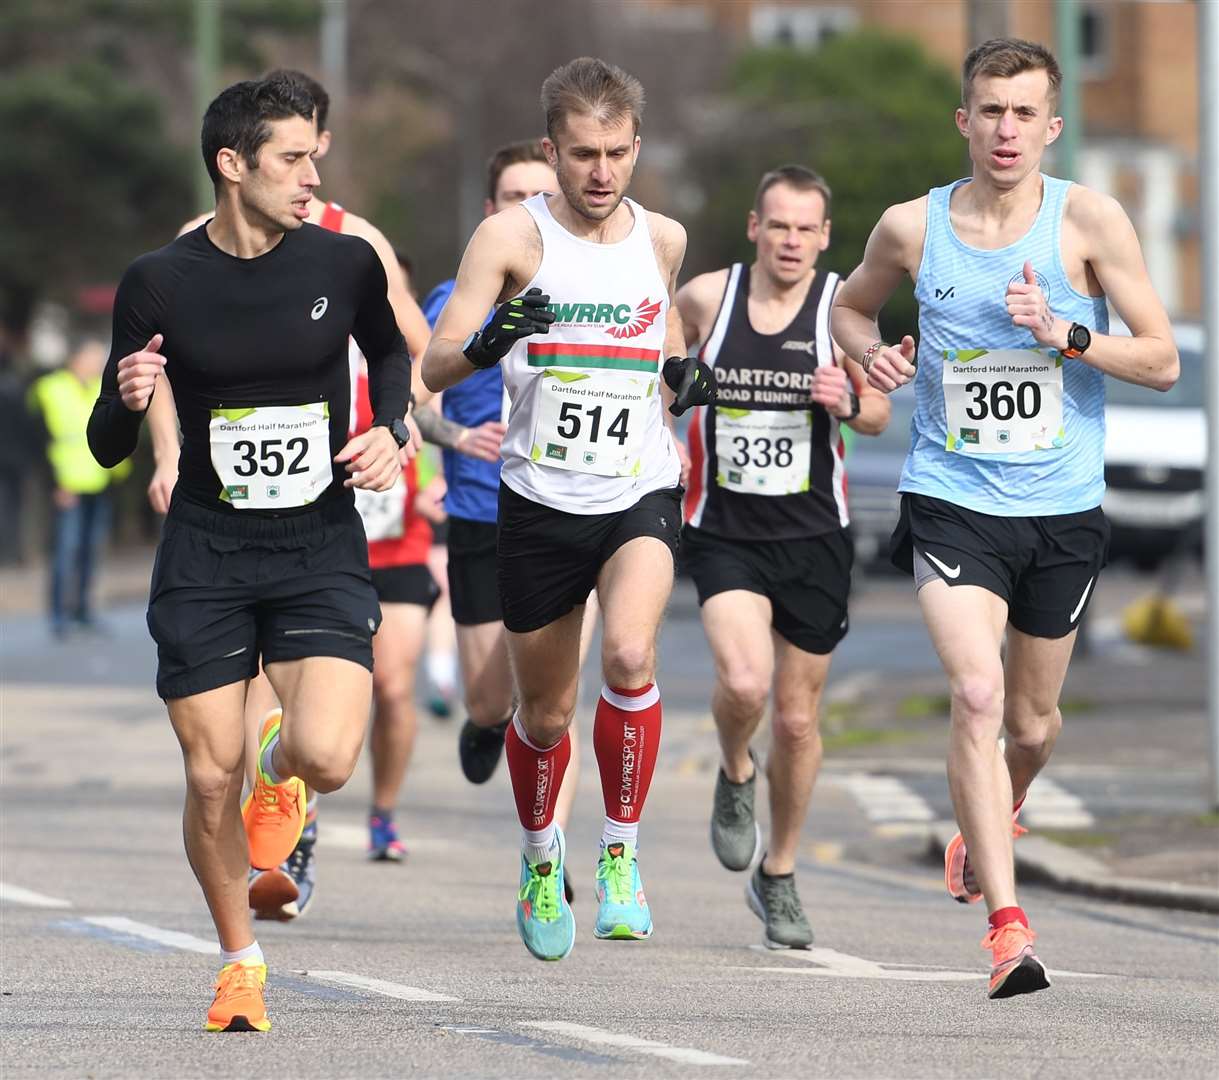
{"points": [[256, 351]]}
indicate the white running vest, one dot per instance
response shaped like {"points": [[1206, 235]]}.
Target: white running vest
{"points": [[586, 434]]}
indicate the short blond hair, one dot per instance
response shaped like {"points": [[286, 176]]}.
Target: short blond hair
{"points": [[1005, 57], [594, 88]]}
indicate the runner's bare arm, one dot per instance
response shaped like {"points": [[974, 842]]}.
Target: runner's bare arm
{"points": [[893, 252], [874, 408], [698, 300], [1111, 247], [166, 446], [487, 270], [480, 442], [410, 318]]}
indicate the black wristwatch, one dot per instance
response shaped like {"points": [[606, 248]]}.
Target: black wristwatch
{"points": [[1079, 337], [854, 399], [398, 429]]}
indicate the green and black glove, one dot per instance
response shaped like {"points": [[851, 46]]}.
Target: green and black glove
{"points": [[691, 381], [511, 321]]}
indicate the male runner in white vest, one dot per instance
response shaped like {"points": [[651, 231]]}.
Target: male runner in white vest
{"points": [[1001, 521], [766, 538], [590, 491]]}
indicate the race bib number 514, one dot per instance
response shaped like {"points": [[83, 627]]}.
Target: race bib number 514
{"points": [[1003, 401], [591, 421], [272, 457]]}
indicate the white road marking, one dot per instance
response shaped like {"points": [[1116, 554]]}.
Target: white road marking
{"points": [[1051, 806], [15, 894], [830, 962], [598, 1037], [885, 798], [175, 939], [376, 986]]}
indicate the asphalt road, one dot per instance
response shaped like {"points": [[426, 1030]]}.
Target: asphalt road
{"points": [[108, 953]]}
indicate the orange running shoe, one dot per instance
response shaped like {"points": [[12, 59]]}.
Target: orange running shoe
{"points": [[274, 814], [238, 1005], [958, 874], [1015, 968]]}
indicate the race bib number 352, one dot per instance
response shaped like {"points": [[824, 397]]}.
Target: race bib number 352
{"points": [[273, 457], [591, 421], [1003, 401]]}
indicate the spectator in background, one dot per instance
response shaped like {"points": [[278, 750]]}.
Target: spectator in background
{"points": [[63, 400]]}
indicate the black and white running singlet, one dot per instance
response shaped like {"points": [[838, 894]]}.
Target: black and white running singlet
{"points": [[767, 463]]}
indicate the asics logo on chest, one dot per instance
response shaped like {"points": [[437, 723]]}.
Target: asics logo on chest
{"points": [[319, 308]]}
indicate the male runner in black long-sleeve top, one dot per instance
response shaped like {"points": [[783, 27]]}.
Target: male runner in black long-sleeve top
{"points": [[262, 553]]}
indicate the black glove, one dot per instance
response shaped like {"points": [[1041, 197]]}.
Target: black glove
{"points": [[690, 380], [510, 322]]}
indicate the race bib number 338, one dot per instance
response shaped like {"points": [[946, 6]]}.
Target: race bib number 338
{"points": [[1003, 401], [272, 457], [763, 452]]}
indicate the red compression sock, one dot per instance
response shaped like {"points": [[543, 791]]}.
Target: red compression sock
{"points": [[1004, 915], [626, 738], [536, 775]]}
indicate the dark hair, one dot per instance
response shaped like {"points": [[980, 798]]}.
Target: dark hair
{"points": [[316, 91], [240, 117], [1004, 57], [404, 261], [593, 87], [799, 177], [512, 154]]}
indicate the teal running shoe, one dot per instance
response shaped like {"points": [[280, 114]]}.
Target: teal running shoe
{"points": [[543, 915], [623, 913]]}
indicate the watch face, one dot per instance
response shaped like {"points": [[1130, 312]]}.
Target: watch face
{"points": [[1079, 337]]}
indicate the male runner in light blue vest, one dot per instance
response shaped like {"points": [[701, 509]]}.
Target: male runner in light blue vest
{"points": [[1001, 521]]}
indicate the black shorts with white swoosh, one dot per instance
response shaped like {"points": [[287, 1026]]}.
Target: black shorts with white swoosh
{"points": [[1045, 568]]}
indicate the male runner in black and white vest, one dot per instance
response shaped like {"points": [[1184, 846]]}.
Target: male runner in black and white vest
{"points": [[766, 536]]}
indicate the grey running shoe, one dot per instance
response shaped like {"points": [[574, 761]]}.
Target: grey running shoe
{"points": [[735, 835], [775, 901]]}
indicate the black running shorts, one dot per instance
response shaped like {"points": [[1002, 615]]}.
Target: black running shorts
{"points": [[1045, 568], [473, 592], [549, 559], [406, 585], [229, 589], [807, 581]]}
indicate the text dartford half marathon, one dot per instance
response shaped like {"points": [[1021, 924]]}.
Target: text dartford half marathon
{"points": [[999, 369]]}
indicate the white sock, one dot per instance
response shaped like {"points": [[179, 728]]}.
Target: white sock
{"points": [[617, 832], [442, 671], [251, 954], [541, 845]]}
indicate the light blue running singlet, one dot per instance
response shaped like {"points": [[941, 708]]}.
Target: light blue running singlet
{"points": [[1002, 426]]}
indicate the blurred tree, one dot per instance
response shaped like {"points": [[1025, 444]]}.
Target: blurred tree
{"points": [[871, 112], [88, 179]]}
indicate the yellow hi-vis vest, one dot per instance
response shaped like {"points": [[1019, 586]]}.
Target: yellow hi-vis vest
{"points": [[65, 404]]}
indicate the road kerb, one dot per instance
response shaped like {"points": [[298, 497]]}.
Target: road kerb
{"points": [[1042, 861]]}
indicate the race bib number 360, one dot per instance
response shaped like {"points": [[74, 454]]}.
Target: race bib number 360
{"points": [[590, 421], [763, 452], [1003, 401], [272, 457]]}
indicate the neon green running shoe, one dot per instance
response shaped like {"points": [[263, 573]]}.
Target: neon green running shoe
{"points": [[623, 913], [543, 915]]}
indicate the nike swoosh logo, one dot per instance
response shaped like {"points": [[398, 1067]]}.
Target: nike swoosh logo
{"points": [[949, 571], [1082, 600]]}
